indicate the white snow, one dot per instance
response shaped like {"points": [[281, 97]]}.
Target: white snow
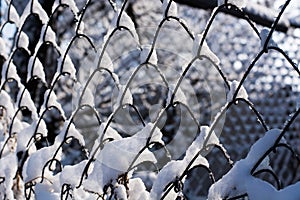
{"points": [[198, 143], [106, 62], [17, 127], [72, 131], [67, 66], [8, 168], [26, 101], [145, 53], [7, 103], [52, 101], [233, 87], [50, 35], [298, 102], [71, 173], [12, 15], [238, 3], [120, 192], [145, 132], [87, 96], [123, 97], [137, 190], [172, 9], [42, 128], [27, 132], [38, 69], [80, 28], [259, 189], [123, 151], [205, 50], [125, 21], [24, 136], [11, 71], [175, 168], [109, 133], [23, 41], [179, 95], [72, 5], [260, 147], [116, 157], [116, 78], [38, 9], [239, 180], [34, 164], [45, 191], [2, 46], [263, 35]]}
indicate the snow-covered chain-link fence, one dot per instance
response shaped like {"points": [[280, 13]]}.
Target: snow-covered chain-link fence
{"points": [[145, 112]]}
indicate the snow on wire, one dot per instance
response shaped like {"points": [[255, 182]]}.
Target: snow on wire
{"points": [[32, 160]]}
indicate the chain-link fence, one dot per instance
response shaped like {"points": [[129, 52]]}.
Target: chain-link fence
{"points": [[119, 100]]}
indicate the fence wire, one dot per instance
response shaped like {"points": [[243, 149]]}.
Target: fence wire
{"points": [[65, 84]]}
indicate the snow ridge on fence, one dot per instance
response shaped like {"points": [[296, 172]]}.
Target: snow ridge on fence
{"points": [[34, 155]]}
